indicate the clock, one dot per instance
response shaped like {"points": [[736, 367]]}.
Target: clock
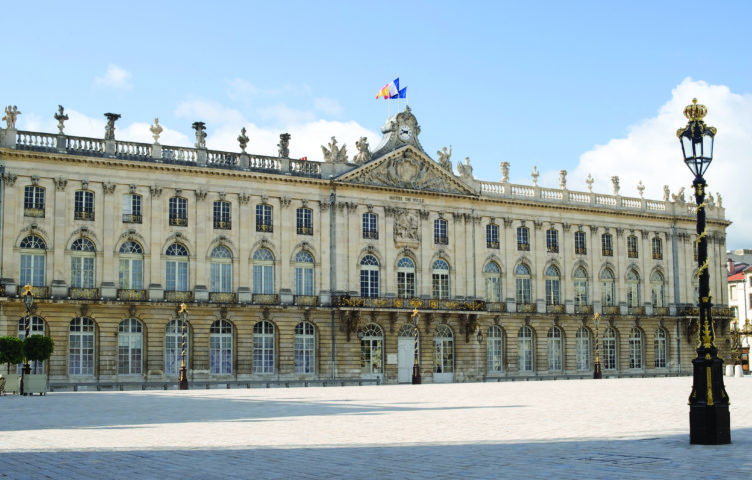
{"points": [[405, 132]]}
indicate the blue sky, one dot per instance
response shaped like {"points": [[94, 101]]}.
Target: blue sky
{"points": [[590, 87]]}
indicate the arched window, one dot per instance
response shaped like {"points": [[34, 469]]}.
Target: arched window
{"points": [[173, 346], [635, 348], [609, 349], [369, 277], [553, 286], [405, 278], [440, 279], [525, 348], [656, 289], [608, 288], [633, 289], [492, 274], [583, 348], [522, 283], [495, 350], [581, 287], [81, 347], [32, 261], [443, 342], [131, 266], [303, 273], [660, 348], [36, 328], [221, 270], [82, 264], [220, 347], [130, 347], [263, 347], [372, 350], [263, 271], [305, 348], [176, 268], [554, 348]]}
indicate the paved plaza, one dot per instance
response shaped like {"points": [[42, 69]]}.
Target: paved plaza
{"points": [[613, 428]]}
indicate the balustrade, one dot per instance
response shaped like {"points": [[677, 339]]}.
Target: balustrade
{"points": [[84, 145], [132, 149], [38, 292], [35, 141]]}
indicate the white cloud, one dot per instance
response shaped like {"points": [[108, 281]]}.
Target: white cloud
{"points": [[328, 106], [208, 112], [651, 153], [115, 77], [284, 115]]}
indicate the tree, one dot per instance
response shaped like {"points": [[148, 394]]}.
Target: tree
{"points": [[38, 348], [11, 351]]}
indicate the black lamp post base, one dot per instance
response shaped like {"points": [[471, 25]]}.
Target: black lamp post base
{"points": [[416, 375], [183, 379], [709, 425], [597, 374]]}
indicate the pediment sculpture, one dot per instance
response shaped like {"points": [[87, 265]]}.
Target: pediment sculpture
{"points": [[334, 154], [408, 171], [406, 226]]}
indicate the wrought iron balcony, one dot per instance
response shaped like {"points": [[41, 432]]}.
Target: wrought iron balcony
{"points": [[370, 234], [441, 240], [408, 303], [178, 295], [83, 293], [580, 250], [222, 224], [611, 310], [303, 230], [131, 218], [500, 307], [38, 292], [178, 221], [34, 212], [223, 297], [2, 291], [552, 249], [265, 299], [661, 311], [490, 244], [632, 254], [264, 227], [607, 252], [309, 300], [131, 294], [557, 308], [523, 246], [637, 310], [526, 308], [83, 215], [657, 255], [583, 309]]}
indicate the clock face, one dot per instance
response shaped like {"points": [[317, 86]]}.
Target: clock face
{"points": [[405, 132]]}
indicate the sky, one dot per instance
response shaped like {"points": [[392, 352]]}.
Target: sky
{"points": [[588, 87]]}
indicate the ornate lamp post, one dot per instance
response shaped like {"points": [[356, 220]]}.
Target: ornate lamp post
{"points": [[597, 367], [28, 299], [183, 378], [416, 361], [709, 422]]}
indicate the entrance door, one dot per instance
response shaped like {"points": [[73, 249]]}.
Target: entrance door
{"points": [[405, 354], [443, 342]]}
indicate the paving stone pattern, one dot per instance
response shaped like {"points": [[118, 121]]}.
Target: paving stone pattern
{"points": [[612, 428]]}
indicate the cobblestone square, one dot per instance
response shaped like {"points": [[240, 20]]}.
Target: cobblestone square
{"points": [[613, 428]]}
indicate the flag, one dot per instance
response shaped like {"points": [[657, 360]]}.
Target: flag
{"points": [[392, 90], [400, 94]]}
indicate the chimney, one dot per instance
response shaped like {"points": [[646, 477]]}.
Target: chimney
{"points": [[730, 266]]}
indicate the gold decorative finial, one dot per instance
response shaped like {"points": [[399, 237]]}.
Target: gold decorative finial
{"points": [[183, 308], [695, 111], [28, 290], [415, 313]]}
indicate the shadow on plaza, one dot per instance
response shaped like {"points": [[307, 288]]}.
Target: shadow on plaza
{"points": [[115, 411], [662, 457]]}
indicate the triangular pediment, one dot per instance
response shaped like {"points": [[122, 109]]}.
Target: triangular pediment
{"points": [[407, 168]]}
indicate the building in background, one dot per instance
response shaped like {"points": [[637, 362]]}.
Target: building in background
{"points": [[294, 269]]}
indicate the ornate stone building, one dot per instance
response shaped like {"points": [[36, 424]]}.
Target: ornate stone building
{"points": [[294, 269]]}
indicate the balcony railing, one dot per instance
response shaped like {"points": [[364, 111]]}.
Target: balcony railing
{"points": [[492, 244], [552, 249], [694, 311], [637, 310], [223, 297], [131, 218], [83, 215], [303, 230], [2, 291], [607, 252], [526, 308], [308, 300], [657, 255], [661, 311], [611, 310], [558, 308], [265, 299], [34, 212], [130, 294], [523, 247], [38, 292], [83, 293], [264, 227], [500, 307], [632, 254], [178, 221], [408, 303], [441, 240], [370, 234], [583, 309], [222, 224], [580, 250], [178, 295]]}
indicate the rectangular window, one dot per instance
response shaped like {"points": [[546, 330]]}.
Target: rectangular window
{"points": [[370, 226], [178, 211], [84, 205], [552, 241], [440, 285], [33, 201], [607, 245], [263, 218], [632, 246], [222, 220], [304, 221], [657, 249], [132, 208], [523, 239], [492, 236], [405, 284], [440, 232], [580, 248]]}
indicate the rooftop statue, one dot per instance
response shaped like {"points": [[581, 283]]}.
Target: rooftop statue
{"points": [[534, 175], [679, 197], [200, 128], [615, 182], [589, 180], [465, 170], [156, 130], [334, 154], [563, 179], [641, 189], [666, 193], [109, 129], [284, 145], [504, 172], [444, 156], [11, 114], [364, 154], [243, 139], [61, 117]]}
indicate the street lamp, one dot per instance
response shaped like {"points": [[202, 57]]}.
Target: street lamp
{"points": [[709, 422], [183, 377], [597, 374], [416, 361], [28, 299]]}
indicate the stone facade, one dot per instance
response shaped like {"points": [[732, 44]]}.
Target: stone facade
{"points": [[284, 263]]}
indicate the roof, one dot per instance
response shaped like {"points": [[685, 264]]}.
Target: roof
{"points": [[737, 277]]}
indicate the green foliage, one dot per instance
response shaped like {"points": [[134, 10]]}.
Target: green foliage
{"points": [[38, 348], [11, 351]]}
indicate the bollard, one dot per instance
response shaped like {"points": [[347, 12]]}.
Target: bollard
{"points": [[738, 371], [729, 370]]}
